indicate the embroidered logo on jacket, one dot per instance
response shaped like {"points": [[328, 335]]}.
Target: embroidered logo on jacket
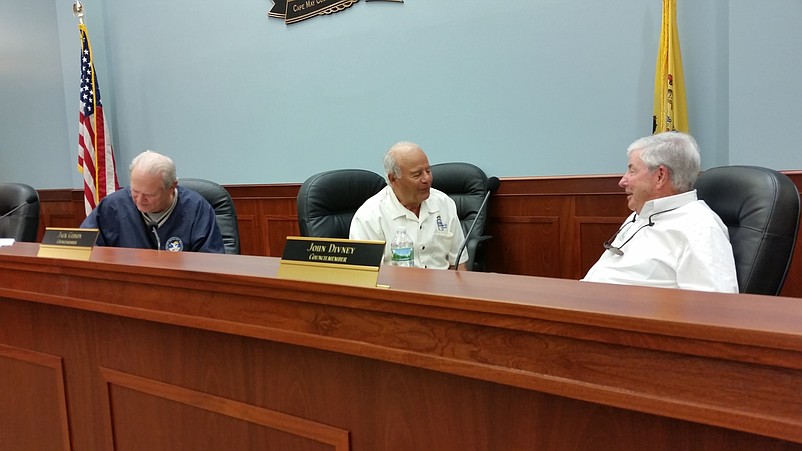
{"points": [[174, 244]]}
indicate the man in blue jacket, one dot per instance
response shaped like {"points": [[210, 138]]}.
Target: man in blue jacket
{"points": [[155, 213]]}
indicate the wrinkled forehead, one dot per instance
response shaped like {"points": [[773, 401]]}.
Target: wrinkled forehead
{"points": [[146, 181], [413, 160]]}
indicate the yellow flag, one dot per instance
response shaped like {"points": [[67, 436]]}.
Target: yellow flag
{"points": [[670, 111]]}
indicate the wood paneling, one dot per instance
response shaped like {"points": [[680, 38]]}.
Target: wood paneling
{"points": [[33, 400], [172, 351], [541, 226], [153, 405]]}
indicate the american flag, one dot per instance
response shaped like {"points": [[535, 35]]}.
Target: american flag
{"points": [[95, 155]]}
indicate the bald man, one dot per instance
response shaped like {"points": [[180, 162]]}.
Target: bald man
{"points": [[429, 216]]}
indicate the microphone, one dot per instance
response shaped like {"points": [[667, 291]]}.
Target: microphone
{"points": [[153, 226], [10, 212], [492, 185]]}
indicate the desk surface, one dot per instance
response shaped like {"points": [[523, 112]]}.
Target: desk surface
{"points": [[730, 361], [758, 320]]}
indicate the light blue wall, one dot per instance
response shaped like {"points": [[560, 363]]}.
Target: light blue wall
{"points": [[765, 117], [523, 87], [33, 126]]}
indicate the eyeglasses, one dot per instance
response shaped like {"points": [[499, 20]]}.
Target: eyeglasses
{"points": [[608, 245]]}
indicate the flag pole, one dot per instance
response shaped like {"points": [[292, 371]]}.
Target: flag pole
{"points": [[78, 11], [95, 152]]}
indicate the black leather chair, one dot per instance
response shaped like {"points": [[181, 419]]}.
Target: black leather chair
{"points": [[466, 184], [224, 210], [19, 212], [760, 207], [327, 201]]}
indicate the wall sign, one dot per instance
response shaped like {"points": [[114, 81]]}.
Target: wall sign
{"points": [[292, 11]]}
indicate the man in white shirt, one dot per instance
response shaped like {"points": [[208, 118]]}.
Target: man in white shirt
{"points": [[429, 216], [672, 239]]}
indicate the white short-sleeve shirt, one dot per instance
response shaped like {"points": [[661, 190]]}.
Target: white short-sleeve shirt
{"points": [[437, 234]]}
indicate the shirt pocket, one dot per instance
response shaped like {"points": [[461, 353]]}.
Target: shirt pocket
{"points": [[443, 234]]}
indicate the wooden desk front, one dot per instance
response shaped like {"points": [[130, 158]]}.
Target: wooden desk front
{"points": [[142, 350]]}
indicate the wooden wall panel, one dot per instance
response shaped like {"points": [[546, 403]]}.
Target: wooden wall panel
{"points": [[33, 404], [272, 208], [793, 283], [141, 410], [532, 248], [541, 226], [60, 208]]}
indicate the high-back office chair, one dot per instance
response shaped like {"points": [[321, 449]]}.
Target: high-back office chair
{"points": [[327, 201], [224, 210], [19, 212], [760, 207], [466, 184]]}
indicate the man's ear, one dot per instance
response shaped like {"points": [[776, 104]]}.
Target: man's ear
{"points": [[391, 177], [662, 176]]}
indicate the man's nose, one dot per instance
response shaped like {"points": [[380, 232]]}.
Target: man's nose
{"points": [[426, 178]]}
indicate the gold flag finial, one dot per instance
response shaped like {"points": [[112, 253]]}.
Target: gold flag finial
{"points": [[78, 11]]}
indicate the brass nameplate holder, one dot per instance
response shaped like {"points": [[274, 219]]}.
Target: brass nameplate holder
{"points": [[331, 260], [71, 244]]}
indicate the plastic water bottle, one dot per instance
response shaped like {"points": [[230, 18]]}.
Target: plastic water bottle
{"points": [[401, 248]]}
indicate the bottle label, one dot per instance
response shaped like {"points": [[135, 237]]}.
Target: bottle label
{"points": [[403, 254]]}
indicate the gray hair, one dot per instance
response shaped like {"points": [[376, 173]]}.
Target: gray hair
{"points": [[156, 163], [391, 156], [677, 151]]}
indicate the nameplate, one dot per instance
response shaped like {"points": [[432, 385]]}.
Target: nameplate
{"points": [[331, 260], [71, 244]]}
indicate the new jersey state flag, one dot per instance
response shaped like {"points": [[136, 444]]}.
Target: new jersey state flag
{"points": [[670, 109]]}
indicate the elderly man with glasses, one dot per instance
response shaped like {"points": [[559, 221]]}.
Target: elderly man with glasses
{"points": [[671, 239]]}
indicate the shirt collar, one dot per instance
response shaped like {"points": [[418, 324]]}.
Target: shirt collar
{"points": [[400, 210], [667, 203]]}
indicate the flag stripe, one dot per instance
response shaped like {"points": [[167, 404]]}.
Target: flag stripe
{"points": [[95, 152]]}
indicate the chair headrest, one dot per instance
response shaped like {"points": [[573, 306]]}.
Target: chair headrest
{"points": [[760, 207], [21, 203], [459, 178], [224, 210], [14, 194], [328, 200]]}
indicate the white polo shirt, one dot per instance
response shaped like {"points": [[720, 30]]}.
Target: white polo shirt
{"points": [[687, 247], [436, 234]]}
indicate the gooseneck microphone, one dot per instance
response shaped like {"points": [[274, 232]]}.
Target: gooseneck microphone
{"points": [[492, 185], [10, 212], [153, 226]]}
